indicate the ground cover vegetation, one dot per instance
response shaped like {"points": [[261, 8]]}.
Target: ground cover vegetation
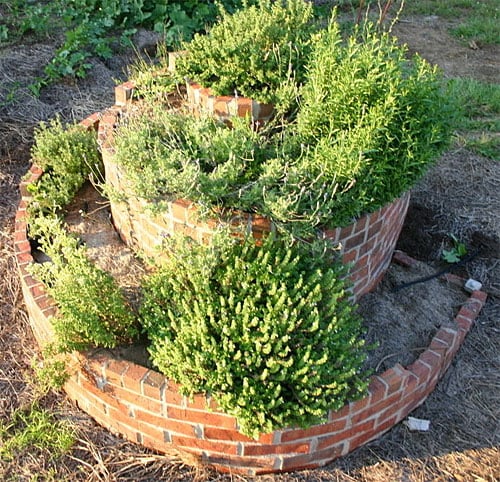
{"points": [[93, 27], [387, 118]]}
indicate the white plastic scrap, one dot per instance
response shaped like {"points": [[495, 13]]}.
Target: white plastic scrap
{"points": [[472, 285], [417, 424]]}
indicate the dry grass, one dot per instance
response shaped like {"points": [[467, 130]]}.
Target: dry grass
{"points": [[461, 195]]}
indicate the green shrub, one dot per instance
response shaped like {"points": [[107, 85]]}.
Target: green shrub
{"points": [[371, 121], [92, 311], [68, 155], [266, 330], [252, 52]]}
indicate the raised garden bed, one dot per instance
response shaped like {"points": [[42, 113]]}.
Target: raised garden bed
{"points": [[143, 406]]}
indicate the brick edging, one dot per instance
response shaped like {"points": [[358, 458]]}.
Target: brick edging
{"points": [[145, 407]]}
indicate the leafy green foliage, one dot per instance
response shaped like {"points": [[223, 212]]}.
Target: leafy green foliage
{"points": [[252, 52], [92, 311], [68, 156], [372, 122], [169, 155], [457, 251], [91, 26], [35, 428], [266, 330]]}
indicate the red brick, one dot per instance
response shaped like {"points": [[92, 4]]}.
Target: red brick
{"points": [[314, 431], [480, 296], [199, 401], [138, 400], [163, 423], [330, 440], [334, 415], [390, 401], [334, 235], [403, 259], [114, 370], [37, 291], [221, 105], [360, 273], [359, 405], [394, 378], [153, 385], [237, 464], [271, 449], [313, 460], [173, 397], [124, 92], [201, 417], [244, 106], [132, 377], [453, 279], [50, 312], [467, 313], [421, 370], [216, 433], [432, 359], [464, 322], [228, 448], [377, 389], [367, 247], [375, 227], [350, 256], [354, 241], [362, 439], [24, 258], [446, 335]]}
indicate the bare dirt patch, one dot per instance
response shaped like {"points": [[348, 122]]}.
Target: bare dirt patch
{"points": [[460, 195]]}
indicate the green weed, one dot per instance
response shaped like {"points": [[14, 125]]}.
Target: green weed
{"points": [[35, 428]]}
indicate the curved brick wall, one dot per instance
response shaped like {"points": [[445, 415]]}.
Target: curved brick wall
{"points": [[368, 243], [145, 407]]}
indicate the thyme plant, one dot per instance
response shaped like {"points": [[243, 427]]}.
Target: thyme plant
{"points": [[266, 329]]}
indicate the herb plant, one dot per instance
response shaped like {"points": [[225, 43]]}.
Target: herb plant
{"points": [[252, 52], [92, 311], [368, 124], [68, 155], [266, 329]]}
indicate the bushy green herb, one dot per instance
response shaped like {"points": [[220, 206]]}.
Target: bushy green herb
{"points": [[266, 330], [92, 310], [169, 155], [371, 121], [252, 52], [68, 155]]}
